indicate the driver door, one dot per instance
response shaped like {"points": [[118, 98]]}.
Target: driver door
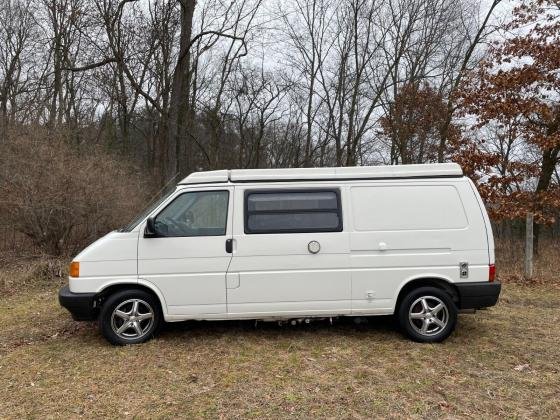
{"points": [[187, 259]]}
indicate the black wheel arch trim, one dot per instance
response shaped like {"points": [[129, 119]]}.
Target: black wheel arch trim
{"points": [[466, 295], [86, 306]]}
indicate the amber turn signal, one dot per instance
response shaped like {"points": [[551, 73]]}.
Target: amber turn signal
{"points": [[74, 269]]}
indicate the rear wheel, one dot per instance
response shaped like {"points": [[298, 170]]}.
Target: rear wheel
{"points": [[129, 317], [427, 314]]}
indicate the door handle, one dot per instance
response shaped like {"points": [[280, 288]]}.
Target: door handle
{"points": [[229, 246]]}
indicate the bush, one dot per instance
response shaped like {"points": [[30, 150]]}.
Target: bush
{"points": [[62, 197]]}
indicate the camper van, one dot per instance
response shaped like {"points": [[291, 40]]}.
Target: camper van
{"points": [[413, 241]]}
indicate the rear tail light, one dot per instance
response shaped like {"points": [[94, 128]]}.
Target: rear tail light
{"points": [[491, 272]]}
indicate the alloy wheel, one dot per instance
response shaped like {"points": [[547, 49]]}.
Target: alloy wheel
{"points": [[132, 319], [428, 315]]}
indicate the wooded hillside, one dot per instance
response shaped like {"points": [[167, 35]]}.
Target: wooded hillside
{"points": [[103, 102]]}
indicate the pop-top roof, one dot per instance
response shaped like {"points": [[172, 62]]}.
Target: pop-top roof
{"points": [[318, 174]]}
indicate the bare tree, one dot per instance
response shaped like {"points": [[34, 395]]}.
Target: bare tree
{"points": [[258, 106], [307, 28], [16, 29], [465, 63], [184, 86]]}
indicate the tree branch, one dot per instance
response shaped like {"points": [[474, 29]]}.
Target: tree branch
{"points": [[91, 66], [200, 35]]}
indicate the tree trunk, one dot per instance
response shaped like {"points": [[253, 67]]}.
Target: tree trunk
{"points": [[549, 161], [179, 103], [3, 119]]}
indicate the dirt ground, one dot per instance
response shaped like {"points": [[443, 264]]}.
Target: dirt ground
{"points": [[500, 362]]}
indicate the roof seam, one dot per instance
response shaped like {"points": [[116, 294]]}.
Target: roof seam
{"points": [[390, 178]]}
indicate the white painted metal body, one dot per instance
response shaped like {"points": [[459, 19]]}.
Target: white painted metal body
{"points": [[399, 224]]}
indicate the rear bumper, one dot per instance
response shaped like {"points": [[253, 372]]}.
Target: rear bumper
{"points": [[80, 305], [478, 295]]}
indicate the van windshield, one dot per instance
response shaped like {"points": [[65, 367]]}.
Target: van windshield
{"points": [[149, 208]]}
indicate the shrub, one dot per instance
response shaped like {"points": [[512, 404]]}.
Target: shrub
{"points": [[62, 197]]}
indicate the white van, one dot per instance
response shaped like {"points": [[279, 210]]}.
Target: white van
{"points": [[294, 244]]}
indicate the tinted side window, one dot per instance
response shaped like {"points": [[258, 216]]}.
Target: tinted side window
{"points": [[201, 213], [292, 211]]}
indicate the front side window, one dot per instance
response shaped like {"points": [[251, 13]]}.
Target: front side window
{"points": [[201, 213], [292, 211]]}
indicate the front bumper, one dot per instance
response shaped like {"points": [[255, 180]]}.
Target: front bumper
{"points": [[478, 295], [80, 305]]}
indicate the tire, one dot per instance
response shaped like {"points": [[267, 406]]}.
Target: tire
{"points": [[130, 317], [420, 321]]}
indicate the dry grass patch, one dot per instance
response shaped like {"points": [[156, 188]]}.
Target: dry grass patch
{"points": [[499, 362], [546, 264]]}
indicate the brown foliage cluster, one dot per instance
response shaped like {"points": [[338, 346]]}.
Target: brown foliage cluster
{"points": [[515, 94], [416, 121], [62, 197]]}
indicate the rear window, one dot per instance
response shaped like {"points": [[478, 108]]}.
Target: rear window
{"points": [[292, 211]]}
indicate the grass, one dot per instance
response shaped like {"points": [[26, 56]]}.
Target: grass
{"points": [[500, 362], [510, 262]]}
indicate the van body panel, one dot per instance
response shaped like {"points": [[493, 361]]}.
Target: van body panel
{"points": [[403, 207], [487, 224], [98, 284], [115, 246], [110, 259], [405, 230], [311, 307], [157, 292], [189, 271], [279, 275]]}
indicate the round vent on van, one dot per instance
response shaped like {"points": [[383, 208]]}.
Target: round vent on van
{"points": [[314, 247]]}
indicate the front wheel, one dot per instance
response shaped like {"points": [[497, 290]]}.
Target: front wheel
{"points": [[427, 314], [129, 317]]}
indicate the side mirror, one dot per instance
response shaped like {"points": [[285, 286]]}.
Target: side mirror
{"points": [[150, 230]]}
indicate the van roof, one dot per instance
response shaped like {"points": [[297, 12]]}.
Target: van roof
{"points": [[433, 170]]}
